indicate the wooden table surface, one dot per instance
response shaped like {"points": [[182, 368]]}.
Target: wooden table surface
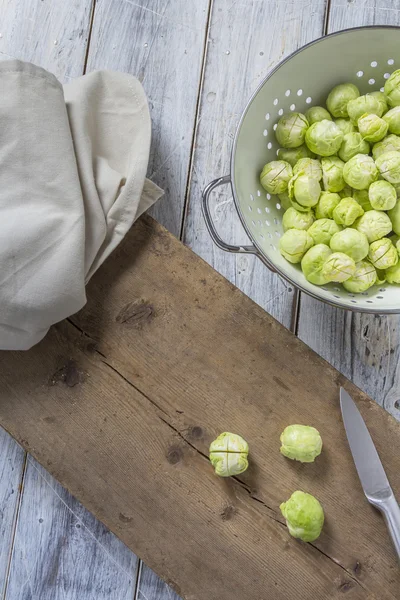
{"points": [[199, 61]]}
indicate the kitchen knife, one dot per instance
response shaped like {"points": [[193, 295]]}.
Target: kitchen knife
{"points": [[369, 467]]}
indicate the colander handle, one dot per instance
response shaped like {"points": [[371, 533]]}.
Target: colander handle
{"points": [[213, 232]]}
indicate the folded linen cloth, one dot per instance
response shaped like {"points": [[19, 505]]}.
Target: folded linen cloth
{"points": [[72, 181]]}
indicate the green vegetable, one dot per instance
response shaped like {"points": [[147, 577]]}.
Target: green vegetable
{"points": [[347, 211], [360, 171], [294, 244], [353, 144], [292, 155], [380, 96], [293, 219], [362, 197], [299, 207], [291, 130], [322, 230], [392, 118], [345, 125], [394, 216], [392, 89], [339, 98], [326, 204], [284, 200], [304, 516], [362, 105], [364, 277], [351, 242], [346, 192], [301, 442], [317, 113], [372, 127], [382, 195], [393, 274], [306, 190], [228, 454], [275, 176], [388, 164], [324, 138], [390, 142], [332, 174], [383, 254], [338, 267], [375, 224], [308, 166], [312, 263]]}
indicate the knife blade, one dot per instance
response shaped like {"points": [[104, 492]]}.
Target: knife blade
{"points": [[369, 467]]}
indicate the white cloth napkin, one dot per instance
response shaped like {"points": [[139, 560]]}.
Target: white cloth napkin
{"points": [[72, 182]]}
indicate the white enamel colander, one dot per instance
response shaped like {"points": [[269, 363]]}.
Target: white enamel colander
{"points": [[364, 56]]}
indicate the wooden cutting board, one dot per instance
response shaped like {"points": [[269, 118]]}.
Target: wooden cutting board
{"points": [[121, 403]]}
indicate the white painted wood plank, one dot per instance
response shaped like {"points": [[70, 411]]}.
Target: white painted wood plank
{"points": [[246, 40], [161, 42], [151, 587], [50, 33], [62, 552], [365, 348], [11, 468]]}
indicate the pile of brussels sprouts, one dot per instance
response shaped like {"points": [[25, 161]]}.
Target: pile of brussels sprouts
{"points": [[338, 178]]}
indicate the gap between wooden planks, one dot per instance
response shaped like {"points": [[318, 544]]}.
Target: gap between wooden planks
{"points": [[121, 403]]}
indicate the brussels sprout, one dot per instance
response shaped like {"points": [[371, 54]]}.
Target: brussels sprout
{"points": [[360, 171], [317, 113], [299, 207], [312, 262], [388, 164], [228, 454], [308, 166], [364, 104], [338, 267], [292, 155], [347, 211], [294, 244], [332, 174], [382, 195], [306, 190], [372, 127], [397, 189], [345, 125], [326, 204], [350, 242], [389, 143], [285, 200], [392, 89], [364, 277], [383, 254], [380, 96], [275, 176], [304, 516], [301, 442], [394, 215], [346, 192], [293, 219], [291, 130], [392, 118], [375, 224], [324, 138], [393, 274], [353, 144], [322, 230], [339, 97], [362, 198]]}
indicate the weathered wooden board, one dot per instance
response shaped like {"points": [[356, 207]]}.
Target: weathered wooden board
{"points": [[365, 348], [74, 554], [53, 34], [121, 406], [161, 42], [246, 40], [151, 587], [11, 469]]}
